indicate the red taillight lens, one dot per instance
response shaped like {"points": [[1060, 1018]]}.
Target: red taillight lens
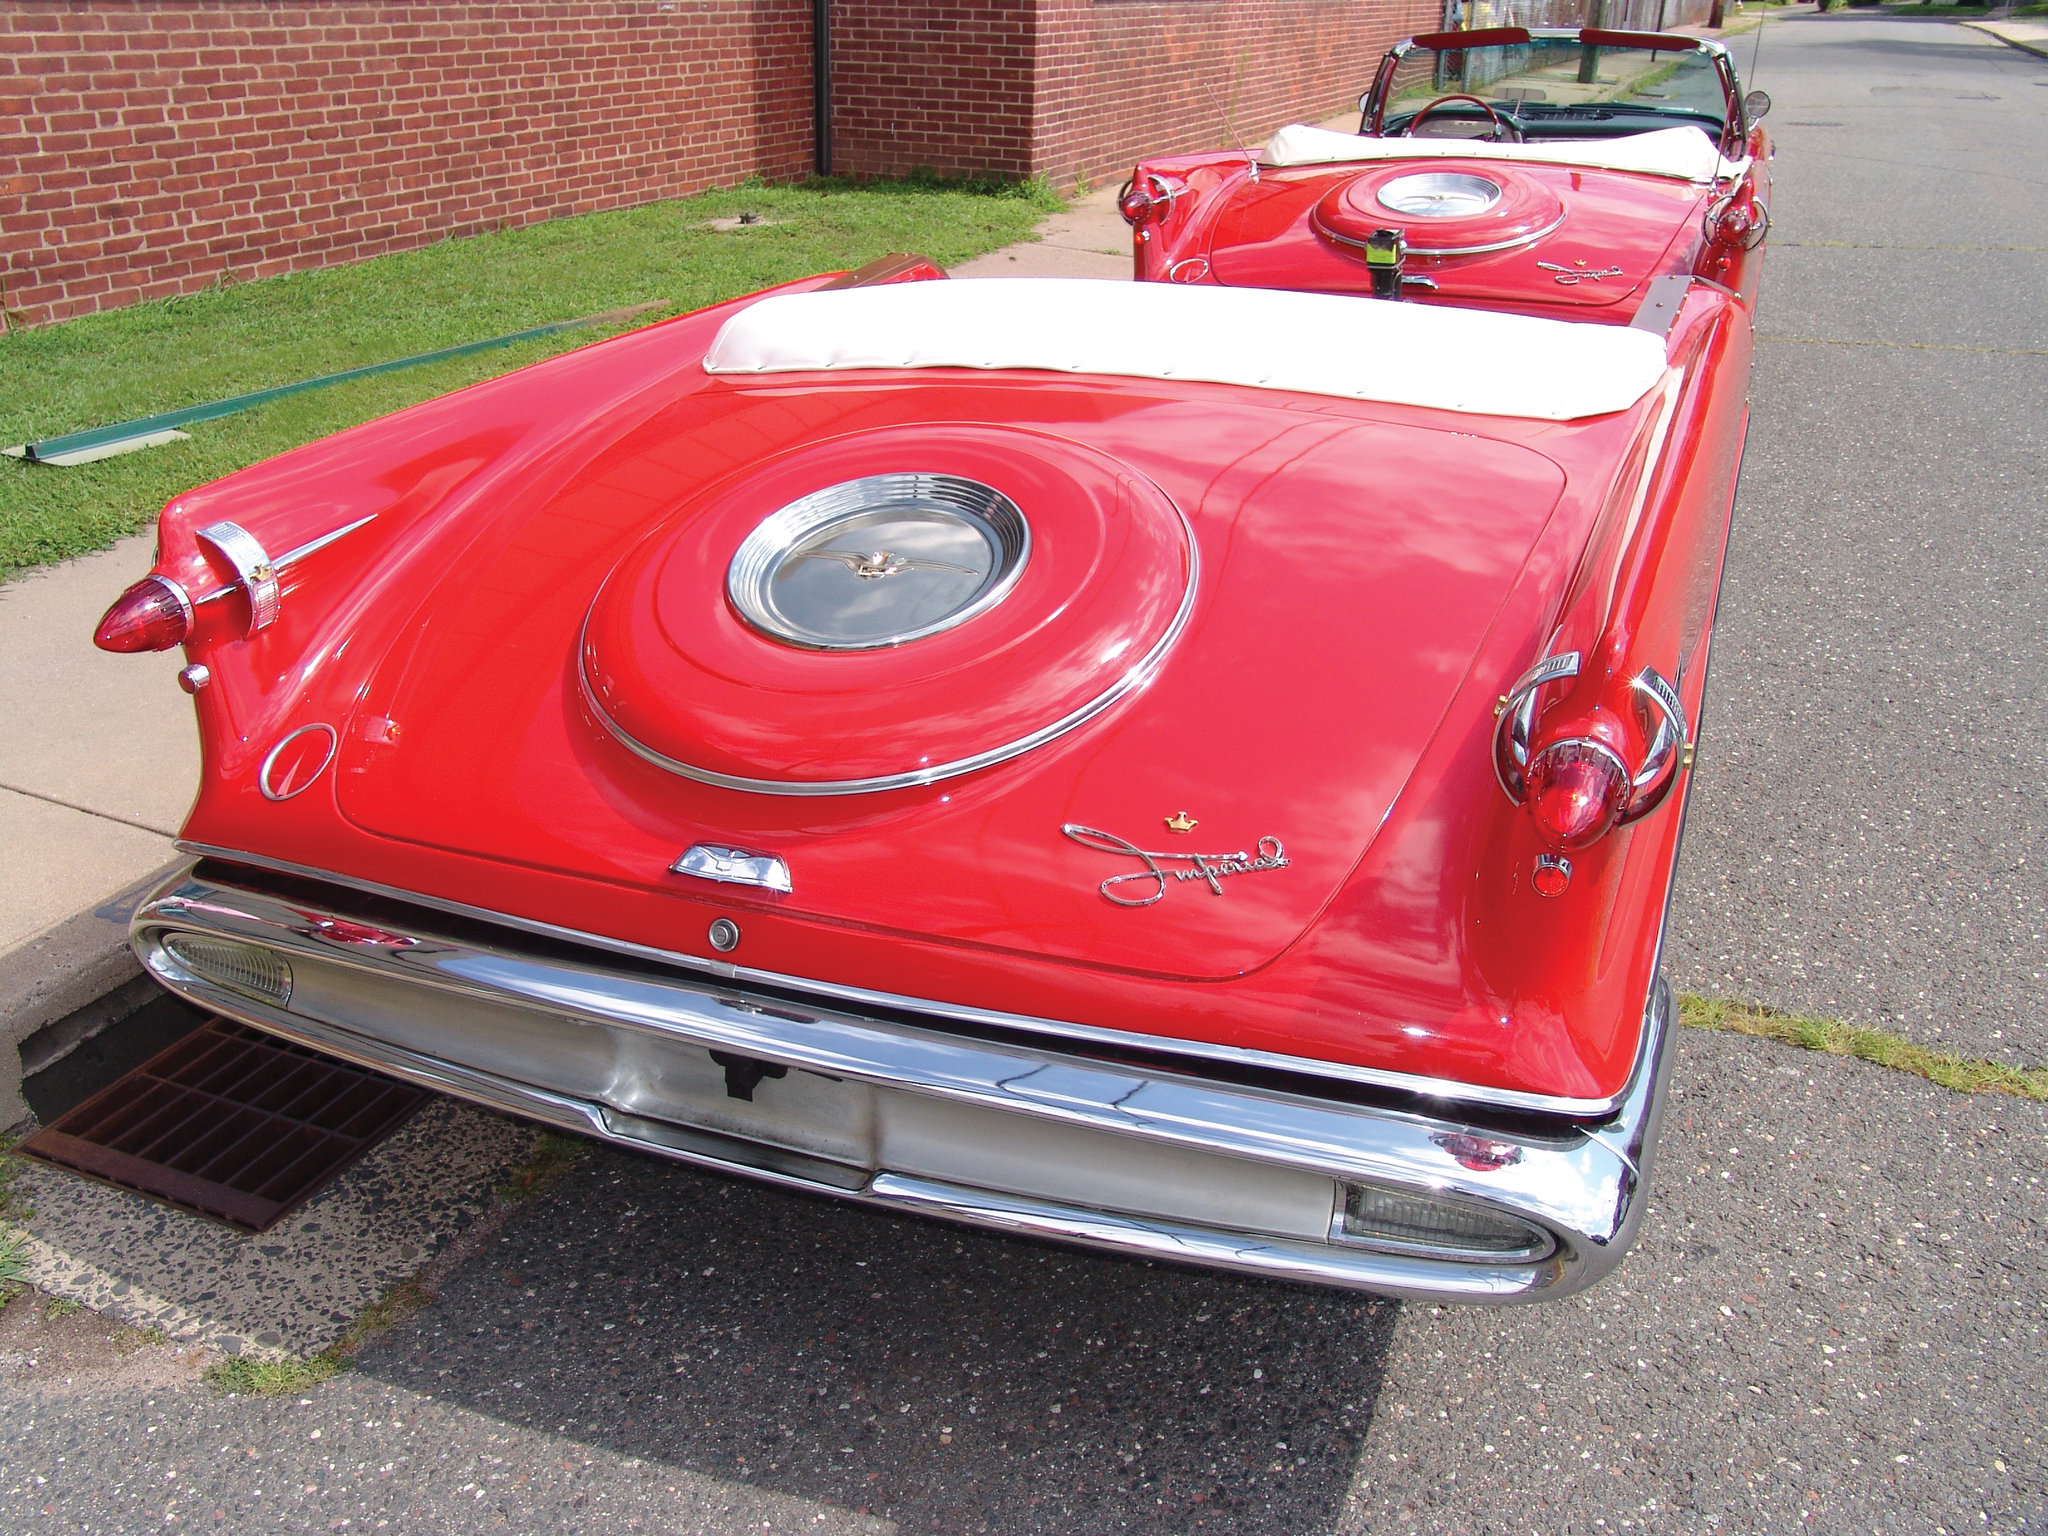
{"points": [[1733, 226], [152, 615], [1576, 792], [1138, 206]]}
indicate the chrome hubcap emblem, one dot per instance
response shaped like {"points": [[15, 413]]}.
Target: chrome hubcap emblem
{"points": [[879, 561], [1440, 194]]}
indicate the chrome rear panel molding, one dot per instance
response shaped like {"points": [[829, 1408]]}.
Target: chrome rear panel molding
{"points": [[1196, 1052]]}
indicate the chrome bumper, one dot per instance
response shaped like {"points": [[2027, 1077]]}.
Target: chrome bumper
{"points": [[998, 1132]]}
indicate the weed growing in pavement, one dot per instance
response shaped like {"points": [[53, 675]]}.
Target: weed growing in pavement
{"points": [[128, 1340], [13, 1261], [553, 1155], [1873, 1045], [61, 1306], [12, 1206], [276, 1378]]}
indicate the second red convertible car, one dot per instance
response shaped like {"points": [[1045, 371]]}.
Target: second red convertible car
{"points": [[1190, 767]]}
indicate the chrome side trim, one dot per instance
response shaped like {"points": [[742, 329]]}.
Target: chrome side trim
{"points": [[1136, 677], [1443, 1090], [1584, 1185], [255, 572], [314, 546]]}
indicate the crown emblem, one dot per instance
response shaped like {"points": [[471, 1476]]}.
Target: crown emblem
{"points": [[1181, 821]]}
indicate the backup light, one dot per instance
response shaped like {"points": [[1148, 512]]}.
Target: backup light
{"points": [[1373, 1216], [245, 968]]}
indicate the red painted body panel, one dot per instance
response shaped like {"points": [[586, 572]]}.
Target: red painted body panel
{"points": [[1267, 234], [1371, 579]]}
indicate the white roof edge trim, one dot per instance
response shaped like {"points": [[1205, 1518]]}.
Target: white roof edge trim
{"points": [[1474, 361], [1685, 153]]}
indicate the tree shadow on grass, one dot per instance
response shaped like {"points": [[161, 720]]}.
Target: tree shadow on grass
{"points": [[939, 1377]]}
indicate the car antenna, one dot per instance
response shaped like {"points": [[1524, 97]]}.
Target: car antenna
{"points": [[1230, 127]]}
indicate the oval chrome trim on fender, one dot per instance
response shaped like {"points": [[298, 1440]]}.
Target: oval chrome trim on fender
{"points": [[270, 761], [1135, 678]]}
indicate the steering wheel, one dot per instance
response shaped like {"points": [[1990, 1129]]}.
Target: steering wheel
{"points": [[1502, 122]]}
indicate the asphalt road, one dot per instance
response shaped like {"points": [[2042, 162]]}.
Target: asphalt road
{"points": [[1835, 1318], [1868, 836]]}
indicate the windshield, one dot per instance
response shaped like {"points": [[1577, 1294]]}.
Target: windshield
{"points": [[1555, 87]]}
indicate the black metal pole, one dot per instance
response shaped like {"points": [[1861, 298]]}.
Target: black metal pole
{"points": [[821, 83]]}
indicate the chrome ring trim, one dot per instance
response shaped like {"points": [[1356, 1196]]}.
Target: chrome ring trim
{"points": [[177, 591], [1449, 250], [1516, 715], [254, 569], [762, 552], [1444, 1090], [1136, 677], [270, 759], [1653, 783]]}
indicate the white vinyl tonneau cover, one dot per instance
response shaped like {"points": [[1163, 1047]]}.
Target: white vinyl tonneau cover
{"points": [[1429, 355], [1685, 154]]}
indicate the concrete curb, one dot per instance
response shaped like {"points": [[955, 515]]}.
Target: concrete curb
{"points": [[66, 985], [2014, 35]]}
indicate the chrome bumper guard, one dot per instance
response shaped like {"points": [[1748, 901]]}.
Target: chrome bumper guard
{"points": [[1016, 1137]]}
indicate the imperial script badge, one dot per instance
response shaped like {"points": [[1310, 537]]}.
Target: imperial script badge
{"points": [[1572, 276], [1152, 879]]}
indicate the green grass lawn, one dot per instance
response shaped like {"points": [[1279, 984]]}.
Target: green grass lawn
{"points": [[158, 357]]}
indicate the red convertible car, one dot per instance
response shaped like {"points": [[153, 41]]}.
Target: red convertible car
{"points": [[1192, 768]]}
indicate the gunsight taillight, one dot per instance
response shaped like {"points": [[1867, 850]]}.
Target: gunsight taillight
{"points": [[1570, 772], [1577, 792], [153, 615], [1147, 199]]}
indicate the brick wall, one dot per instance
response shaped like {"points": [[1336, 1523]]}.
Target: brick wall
{"points": [[932, 85], [1119, 78], [149, 147], [1066, 88]]}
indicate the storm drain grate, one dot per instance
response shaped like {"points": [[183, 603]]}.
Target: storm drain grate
{"points": [[230, 1123]]}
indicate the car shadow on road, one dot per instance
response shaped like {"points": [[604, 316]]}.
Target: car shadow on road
{"points": [[940, 1377]]}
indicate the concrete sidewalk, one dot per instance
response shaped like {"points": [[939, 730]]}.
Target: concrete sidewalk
{"points": [[97, 768], [1088, 239], [2028, 36]]}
